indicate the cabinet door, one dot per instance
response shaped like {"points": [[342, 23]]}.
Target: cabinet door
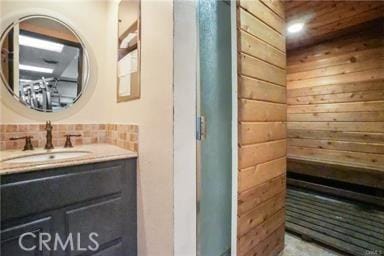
{"points": [[12, 241], [96, 198], [101, 221]]}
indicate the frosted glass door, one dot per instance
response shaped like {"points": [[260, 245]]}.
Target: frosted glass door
{"points": [[214, 214]]}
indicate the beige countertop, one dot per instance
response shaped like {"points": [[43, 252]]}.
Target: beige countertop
{"points": [[97, 153]]}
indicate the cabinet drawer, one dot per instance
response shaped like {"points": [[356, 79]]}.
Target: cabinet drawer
{"points": [[26, 197]]}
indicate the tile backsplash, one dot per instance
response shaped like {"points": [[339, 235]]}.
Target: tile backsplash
{"points": [[122, 135]]}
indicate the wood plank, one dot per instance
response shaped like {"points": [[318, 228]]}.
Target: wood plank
{"points": [[276, 6], [252, 155], [254, 26], [331, 233], [259, 111], [337, 107], [361, 239], [264, 211], [345, 218], [255, 47], [349, 208], [375, 148], [360, 18], [333, 191], [337, 135], [372, 74], [252, 133], [360, 214], [333, 171], [260, 233], [251, 198], [337, 117], [260, 174], [354, 66], [296, 206], [296, 12], [337, 88], [371, 127], [325, 239], [255, 89], [262, 130], [263, 13], [349, 57], [270, 246], [336, 29], [359, 41], [292, 6], [333, 14], [338, 98], [363, 160], [255, 68]]}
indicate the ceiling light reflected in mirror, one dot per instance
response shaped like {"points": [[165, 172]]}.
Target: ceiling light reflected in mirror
{"points": [[40, 44], [35, 69]]}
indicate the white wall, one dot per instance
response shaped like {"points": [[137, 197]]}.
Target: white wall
{"points": [[153, 112]]}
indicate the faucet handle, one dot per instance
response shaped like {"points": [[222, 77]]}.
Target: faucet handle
{"points": [[48, 125], [28, 142], [68, 143]]}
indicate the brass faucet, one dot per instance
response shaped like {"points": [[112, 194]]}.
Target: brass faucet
{"points": [[28, 143], [48, 128], [68, 143]]}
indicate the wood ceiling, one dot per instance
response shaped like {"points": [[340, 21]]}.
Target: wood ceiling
{"points": [[327, 19]]}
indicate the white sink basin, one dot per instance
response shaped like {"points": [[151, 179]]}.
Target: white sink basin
{"points": [[48, 156]]}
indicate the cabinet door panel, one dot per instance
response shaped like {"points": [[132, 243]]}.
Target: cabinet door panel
{"points": [[114, 250], [10, 238], [104, 219]]}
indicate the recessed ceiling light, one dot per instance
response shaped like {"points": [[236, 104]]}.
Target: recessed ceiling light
{"points": [[36, 69], [295, 27], [41, 44]]}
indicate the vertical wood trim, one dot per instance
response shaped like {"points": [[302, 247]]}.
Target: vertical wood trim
{"points": [[234, 127]]}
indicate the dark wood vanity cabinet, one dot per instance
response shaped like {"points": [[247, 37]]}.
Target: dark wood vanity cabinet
{"points": [[85, 206]]}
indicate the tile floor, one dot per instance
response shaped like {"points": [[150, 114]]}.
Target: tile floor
{"points": [[295, 246]]}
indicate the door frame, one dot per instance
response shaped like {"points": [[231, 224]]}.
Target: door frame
{"points": [[184, 127], [235, 126]]}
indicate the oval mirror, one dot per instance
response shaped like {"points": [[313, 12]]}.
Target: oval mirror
{"points": [[44, 63]]}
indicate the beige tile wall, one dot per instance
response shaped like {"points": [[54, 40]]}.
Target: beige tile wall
{"points": [[122, 135]]}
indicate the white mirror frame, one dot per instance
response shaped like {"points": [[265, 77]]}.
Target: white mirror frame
{"points": [[14, 104]]}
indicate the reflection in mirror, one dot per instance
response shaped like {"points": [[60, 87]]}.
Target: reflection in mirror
{"points": [[43, 63], [128, 51]]}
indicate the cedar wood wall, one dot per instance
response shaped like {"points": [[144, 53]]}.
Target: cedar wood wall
{"points": [[262, 127], [336, 104]]}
